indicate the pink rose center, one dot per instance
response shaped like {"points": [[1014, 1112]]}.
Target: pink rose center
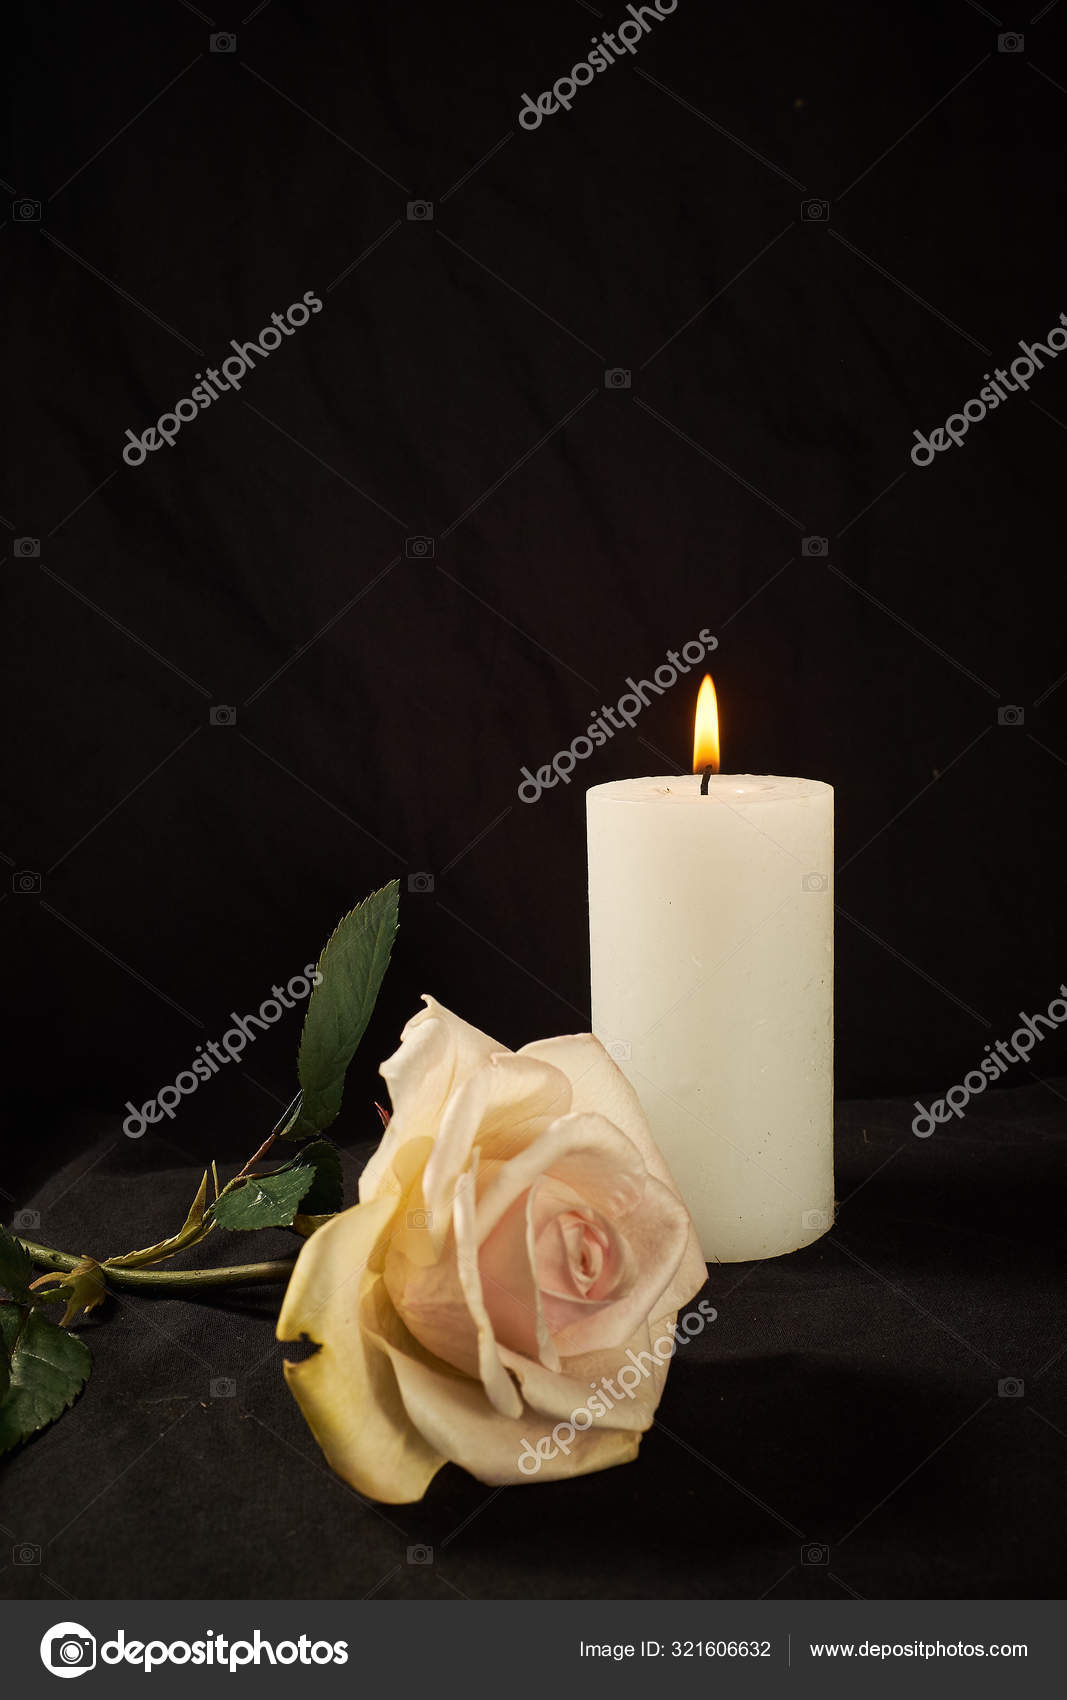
{"points": [[577, 1256]]}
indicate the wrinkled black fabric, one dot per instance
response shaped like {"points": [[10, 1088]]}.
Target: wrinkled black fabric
{"points": [[848, 1396]]}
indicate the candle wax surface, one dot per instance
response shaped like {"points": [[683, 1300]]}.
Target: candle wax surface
{"points": [[711, 945]]}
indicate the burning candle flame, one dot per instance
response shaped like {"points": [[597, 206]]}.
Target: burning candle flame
{"points": [[706, 729]]}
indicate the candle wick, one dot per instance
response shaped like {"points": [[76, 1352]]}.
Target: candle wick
{"points": [[704, 782]]}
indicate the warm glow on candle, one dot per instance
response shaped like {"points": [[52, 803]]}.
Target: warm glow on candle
{"points": [[706, 730]]}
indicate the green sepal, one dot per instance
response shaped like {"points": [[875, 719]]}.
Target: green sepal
{"points": [[190, 1233], [84, 1287]]}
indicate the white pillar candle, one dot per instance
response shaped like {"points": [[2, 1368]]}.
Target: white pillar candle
{"points": [[711, 941]]}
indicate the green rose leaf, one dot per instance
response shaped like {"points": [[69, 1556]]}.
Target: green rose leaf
{"points": [[326, 1195], [16, 1267], [45, 1368], [263, 1201], [309, 1183], [352, 966], [288, 1119]]}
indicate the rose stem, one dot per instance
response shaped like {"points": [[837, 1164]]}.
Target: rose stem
{"points": [[235, 1275], [269, 1141]]}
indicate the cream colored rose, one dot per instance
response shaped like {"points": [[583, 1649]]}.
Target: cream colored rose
{"points": [[518, 1240]]}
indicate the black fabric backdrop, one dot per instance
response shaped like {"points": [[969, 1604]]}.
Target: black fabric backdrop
{"points": [[164, 869]]}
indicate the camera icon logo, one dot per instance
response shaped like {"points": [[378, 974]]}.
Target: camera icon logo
{"points": [[420, 882], [27, 548], [815, 548], [1010, 42], [420, 1218], [223, 42], [420, 212], [223, 1387], [26, 212], [617, 378], [1010, 715], [68, 1649], [815, 1552], [815, 212], [26, 883], [26, 1222], [223, 714], [815, 1221], [25, 1553], [815, 882], [1010, 1387], [618, 1050], [420, 1555], [420, 548]]}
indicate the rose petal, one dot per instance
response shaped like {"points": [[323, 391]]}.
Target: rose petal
{"points": [[604, 1168], [502, 1108], [577, 1252], [598, 1084], [602, 1165], [442, 1305], [437, 1053], [348, 1389], [558, 1216], [502, 1393], [430, 1299], [455, 1417], [655, 1233], [510, 1286], [582, 1378]]}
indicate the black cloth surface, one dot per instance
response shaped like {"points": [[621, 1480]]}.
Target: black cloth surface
{"points": [[880, 1415]]}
